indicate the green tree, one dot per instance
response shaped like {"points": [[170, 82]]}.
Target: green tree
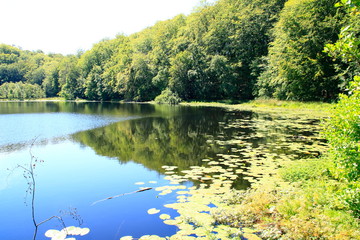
{"points": [[347, 47], [93, 65], [8, 54], [298, 69], [51, 82], [69, 78], [180, 81], [136, 82]]}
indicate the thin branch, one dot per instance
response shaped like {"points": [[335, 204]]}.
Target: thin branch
{"points": [[141, 190]]}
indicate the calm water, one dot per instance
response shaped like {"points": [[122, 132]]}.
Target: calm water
{"points": [[92, 151]]}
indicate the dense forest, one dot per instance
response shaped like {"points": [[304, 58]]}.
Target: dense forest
{"points": [[232, 49]]}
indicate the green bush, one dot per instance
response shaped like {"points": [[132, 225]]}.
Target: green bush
{"points": [[21, 91], [342, 131], [352, 200], [168, 97]]}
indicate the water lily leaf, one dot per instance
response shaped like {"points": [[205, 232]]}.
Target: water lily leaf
{"points": [[151, 237], [153, 211], [55, 234], [251, 236], [248, 230], [182, 192], [51, 233], [153, 182], [84, 231], [127, 238], [171, 222], [70, 230], [139, 183], [165, 192], [164, 216]]}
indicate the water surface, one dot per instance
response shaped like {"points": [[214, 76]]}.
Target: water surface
{"points": [[92, 151]]}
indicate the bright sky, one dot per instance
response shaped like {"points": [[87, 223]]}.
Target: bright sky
{"points": [[65, 26]]}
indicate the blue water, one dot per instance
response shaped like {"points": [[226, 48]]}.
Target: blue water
{"points": [[72, 176], [23, 128]]}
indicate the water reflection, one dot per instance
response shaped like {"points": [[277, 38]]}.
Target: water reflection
{"points": [[185, 139]]}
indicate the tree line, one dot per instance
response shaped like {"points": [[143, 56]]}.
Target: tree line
{"points": [[231, 49]]}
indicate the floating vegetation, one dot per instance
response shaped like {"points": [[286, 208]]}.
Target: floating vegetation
{"points": [[164, 217], [250, 153], [127, 238], [153, 211], [139, 183], [64, 233]]}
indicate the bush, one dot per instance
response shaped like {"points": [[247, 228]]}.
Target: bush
{"points": [[343, 134], [352, 200], [168, 97], [342, 131], [20, 91]]}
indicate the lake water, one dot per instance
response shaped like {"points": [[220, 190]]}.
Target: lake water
{"points": [[90, 151]]}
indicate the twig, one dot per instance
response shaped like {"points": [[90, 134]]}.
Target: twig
{"points": [[141, 190]]}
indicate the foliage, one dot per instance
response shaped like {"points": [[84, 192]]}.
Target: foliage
{"points": [[226, 50], [347, 47], [297, 68], [69, 80], [21, 91], [343, 134], [168, 97]]}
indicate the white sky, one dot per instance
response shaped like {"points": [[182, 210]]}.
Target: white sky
{"points": [[65, 26]]}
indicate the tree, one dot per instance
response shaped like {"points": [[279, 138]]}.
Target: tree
{"points": [[298, 69], [8, 54], [180, 81], [69, 78], [347, 49]]}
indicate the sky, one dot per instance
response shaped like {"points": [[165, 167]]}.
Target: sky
{"points": [[66, 26]]}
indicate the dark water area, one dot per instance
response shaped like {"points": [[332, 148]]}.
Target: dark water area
{"points": [[92, 151]]}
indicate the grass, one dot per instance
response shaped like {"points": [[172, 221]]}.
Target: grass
{"points": [[272, 105], [309, 207]]}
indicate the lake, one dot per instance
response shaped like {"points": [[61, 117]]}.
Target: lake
{"points": [[87, 152]]}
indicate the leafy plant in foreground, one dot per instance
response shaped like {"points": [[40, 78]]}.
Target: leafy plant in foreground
{"points": [[343, 134]]}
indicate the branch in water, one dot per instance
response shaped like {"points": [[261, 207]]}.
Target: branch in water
{"points": [[140, 190]]}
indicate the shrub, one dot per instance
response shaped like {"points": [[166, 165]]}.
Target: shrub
{"points": [[21, 90], [168, 97], [352, 200], [342, 131]]}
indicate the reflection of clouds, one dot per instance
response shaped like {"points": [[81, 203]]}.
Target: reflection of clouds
{"points": [[26, 127], [26, 145]]}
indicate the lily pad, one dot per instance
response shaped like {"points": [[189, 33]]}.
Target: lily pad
{"points": [[127, 238], [164, 216], [55, 234], [153, 211]]}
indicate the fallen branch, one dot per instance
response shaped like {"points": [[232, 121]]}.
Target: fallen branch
{"points": [[140, 190]]}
